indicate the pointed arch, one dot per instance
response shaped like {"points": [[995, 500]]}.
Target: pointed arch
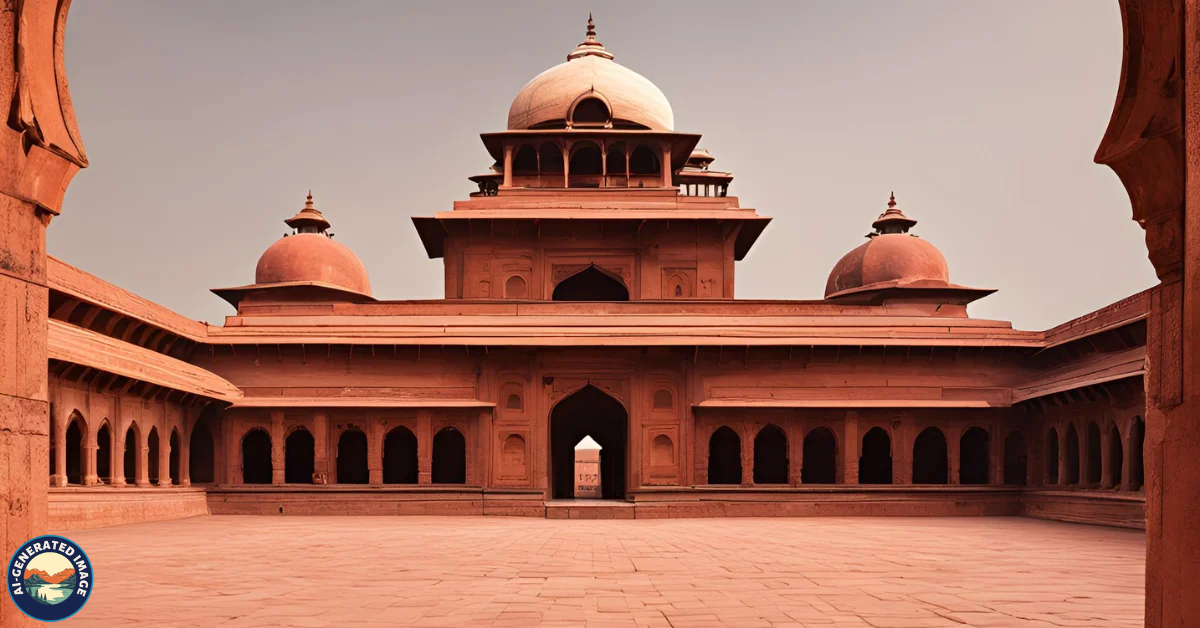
{"points": [[104, 452], [724, 456], [352, 457], [400, 456], [152, 446], [201, 453], [591, 284], [131, 459], [770, 456], [589, 411], [931, 464], [820, 457], [299, 456], [76, 430], [256, 457], [173, 456], [975, 456], [449, 457], [875, 463]]}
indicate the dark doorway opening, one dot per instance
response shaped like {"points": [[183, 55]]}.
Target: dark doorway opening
{"points": [[104, 454], [256, 457], [152, 455], [352, 457], [1072, 456], [875, 464], [1016, 460], [173, 457], [770, 456], [974, 456], [724, 457], [298, 457], [1116, 455], [820, 457], [131, 457], [74, 452], [449, 457], [1137, 443], [930, 462], [200, 454], [590, 284], [400, 457], [589, 412]]}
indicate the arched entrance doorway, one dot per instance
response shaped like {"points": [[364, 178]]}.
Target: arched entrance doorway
{"points": [[588, 412]]}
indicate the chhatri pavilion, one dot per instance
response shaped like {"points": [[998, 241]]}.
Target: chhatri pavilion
{"points": [[589, 292]]}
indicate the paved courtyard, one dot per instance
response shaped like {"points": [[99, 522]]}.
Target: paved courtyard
{"points": [[483, 571]]}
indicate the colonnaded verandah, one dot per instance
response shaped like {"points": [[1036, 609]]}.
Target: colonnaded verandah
{"points": [[589, 290]]}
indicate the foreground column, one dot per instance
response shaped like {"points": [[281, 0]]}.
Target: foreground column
{"points": [[1153, 144], [60, 449], [39, 153], [164, 461]]}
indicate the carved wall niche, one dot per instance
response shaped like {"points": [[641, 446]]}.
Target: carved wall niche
{"points": [[512, 402], [512, 467], [489, 274], [678, 283], [661, 460]]}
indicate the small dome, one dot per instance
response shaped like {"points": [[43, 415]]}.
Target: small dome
{"points": [[312, 256], [891, 258], [590, 72]]}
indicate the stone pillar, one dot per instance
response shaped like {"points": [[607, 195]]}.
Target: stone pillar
{"points": [[320, 447], [668, 173], [902, 453], [164, 461], [185, 449], [40, 151], [374, 435], [424, 447], [117, 462], [508, 160], [566, 153], [851, 446], [996, 438], [143, 456], [747, 453], [277, 454], [1127, 459], [233, 431], [59, 429], [90, 450], [954, 451], [795, 453]]}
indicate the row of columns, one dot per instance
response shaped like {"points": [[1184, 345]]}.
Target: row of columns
{"points": [[116, 462], [664, 161], [1131, 459]]}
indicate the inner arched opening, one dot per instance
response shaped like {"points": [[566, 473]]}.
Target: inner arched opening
{"points": [[589, 412]]}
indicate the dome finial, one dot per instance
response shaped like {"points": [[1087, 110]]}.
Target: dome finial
{"points": [[892, 220], [309, 219], [589, 46]]}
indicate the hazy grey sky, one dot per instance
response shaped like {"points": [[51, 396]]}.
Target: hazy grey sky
{"points": [[207, 122]]}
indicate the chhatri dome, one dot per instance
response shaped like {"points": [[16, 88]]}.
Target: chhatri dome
{"points": [[310, 255], [891, 258], [611, 95], [306, 263]]}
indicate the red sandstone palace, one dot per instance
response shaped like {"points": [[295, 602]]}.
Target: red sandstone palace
{"points": [[589, 291]]}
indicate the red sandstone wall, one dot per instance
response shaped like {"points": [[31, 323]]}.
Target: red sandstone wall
{"points": [[86, 508]]}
